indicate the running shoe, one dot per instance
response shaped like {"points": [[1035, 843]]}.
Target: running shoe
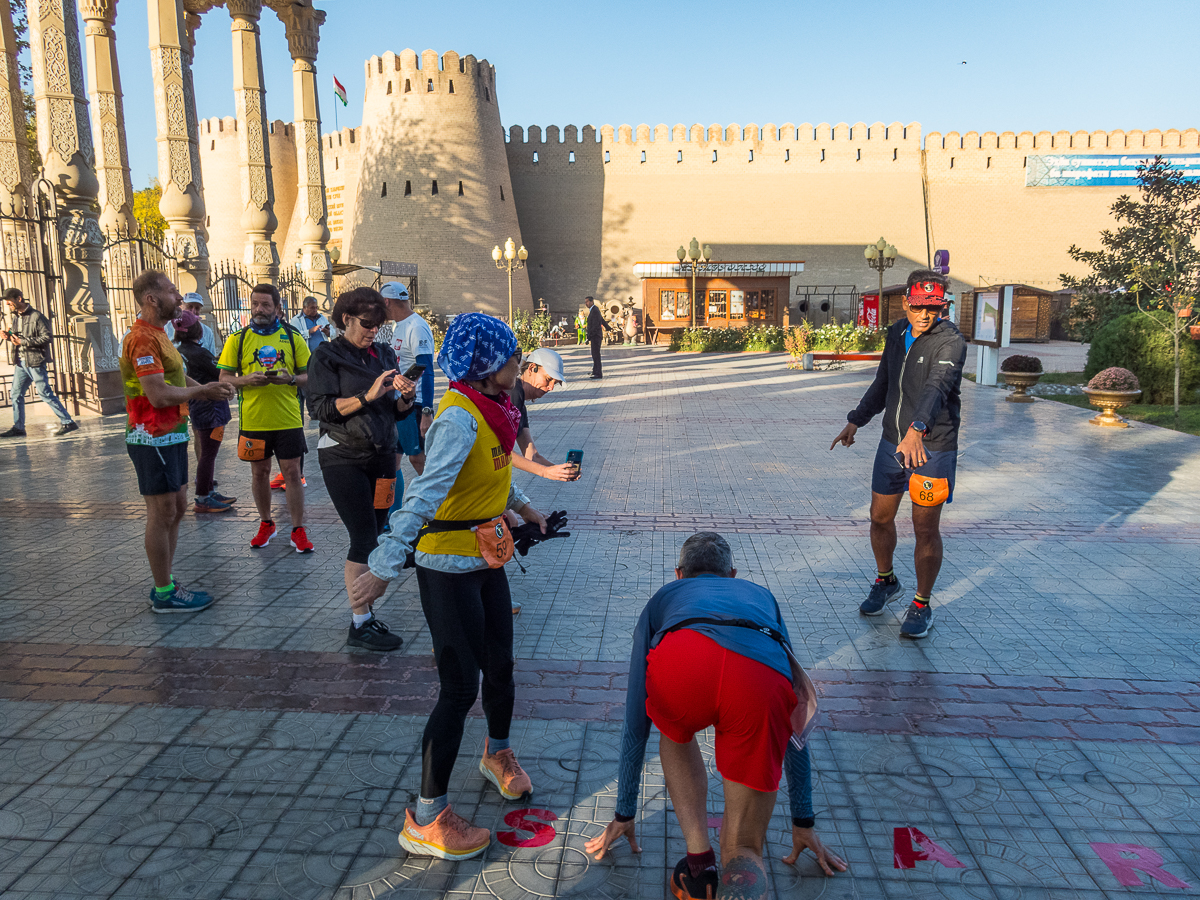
{"points": [[210, 505], [266, 531], [449, 836], [13, 432], [221, 498], [687, 886], [503, 770], [918, 621], [181, 600], [300, 540], [881, 594], [373, 635], [516, 607], [277, 482], [65, 429]]}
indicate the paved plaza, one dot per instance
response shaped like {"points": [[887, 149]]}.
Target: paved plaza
{"points": [[1042, 742]]}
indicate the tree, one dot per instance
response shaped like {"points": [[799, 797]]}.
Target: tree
{"points": [[1151, 262], [145, 208]]}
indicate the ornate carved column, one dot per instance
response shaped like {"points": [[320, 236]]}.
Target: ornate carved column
{"points": [[15, 173], [65, 142], [303, 24], [108, 114], [172, 38], [254, 152]]}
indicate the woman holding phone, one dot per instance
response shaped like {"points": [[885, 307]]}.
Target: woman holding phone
{"points": [[356, 394]]}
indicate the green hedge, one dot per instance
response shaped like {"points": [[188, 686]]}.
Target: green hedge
{"points": [[1146, 349], [729, 340]]}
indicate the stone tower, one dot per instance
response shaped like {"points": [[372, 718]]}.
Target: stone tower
{"points": [[433, 183]]}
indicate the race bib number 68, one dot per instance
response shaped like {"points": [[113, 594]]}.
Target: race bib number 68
{"points": [[926, 491]]}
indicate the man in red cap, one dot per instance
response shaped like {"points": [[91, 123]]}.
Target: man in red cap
{"points": [[917, 389]]}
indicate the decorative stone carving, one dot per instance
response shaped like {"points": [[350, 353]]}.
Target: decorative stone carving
{"points": [[15, 173], [112, 155]]}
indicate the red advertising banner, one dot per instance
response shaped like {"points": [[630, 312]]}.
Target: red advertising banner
{"points": [[868, 311]]}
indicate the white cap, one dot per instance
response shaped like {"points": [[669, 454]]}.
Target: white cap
{"points": [[394, 290], [548, 360], [193, 297]]}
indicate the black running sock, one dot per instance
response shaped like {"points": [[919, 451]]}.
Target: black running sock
{"points": [[920, 601], [888, 577], [698, 862]]}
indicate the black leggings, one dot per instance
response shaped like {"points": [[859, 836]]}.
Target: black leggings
{"points": [[470, 621], [206, 465], [352, 490]]}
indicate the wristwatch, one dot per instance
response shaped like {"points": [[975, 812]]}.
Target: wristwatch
{"points": [[921, 427], [361, 397], [426, 411]]}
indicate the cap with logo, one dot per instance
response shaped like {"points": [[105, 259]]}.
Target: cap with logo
{"points": [[394, 290], [550, 361], [926, 293]]}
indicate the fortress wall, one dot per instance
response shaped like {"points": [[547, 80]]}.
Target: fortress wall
{"points": [[999, 230], [220, 167], [342, 163], [418, 131], [813, 193]]}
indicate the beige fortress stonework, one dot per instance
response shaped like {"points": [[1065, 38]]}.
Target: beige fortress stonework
{"points": [[589, 205]]}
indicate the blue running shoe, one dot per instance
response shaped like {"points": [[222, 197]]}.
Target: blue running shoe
{"points": [[881, 594], [918, 621], [181, 600]]}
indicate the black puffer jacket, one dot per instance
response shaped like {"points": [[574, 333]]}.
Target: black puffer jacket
{"points": [[338, 369], [919, 386], [36, 338]]}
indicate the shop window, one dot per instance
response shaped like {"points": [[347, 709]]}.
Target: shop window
{"points": [[717, 305], [700, 307], [683, 309], [766, 300], [760, 305], [737, 304], [666, 301]]}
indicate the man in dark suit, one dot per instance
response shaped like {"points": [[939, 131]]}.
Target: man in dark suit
{"points": [[595, 334]]}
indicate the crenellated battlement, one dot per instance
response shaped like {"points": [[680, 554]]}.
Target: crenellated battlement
{"points": [[725, 135], [429, 73], [346, 140], [1066, 141], [222, 127]]}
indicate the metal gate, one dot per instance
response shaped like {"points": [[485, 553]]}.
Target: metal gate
{"points": [[293, 289], [31, 260], [125, 258], [229, 293]]}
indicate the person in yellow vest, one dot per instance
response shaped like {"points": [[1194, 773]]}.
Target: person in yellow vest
{"points": [[455, 522]]}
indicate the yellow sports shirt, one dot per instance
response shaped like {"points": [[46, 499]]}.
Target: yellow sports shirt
{"points": [[271, 407]]}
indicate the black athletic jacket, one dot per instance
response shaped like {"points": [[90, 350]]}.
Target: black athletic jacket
{"points": [[922, 386]]}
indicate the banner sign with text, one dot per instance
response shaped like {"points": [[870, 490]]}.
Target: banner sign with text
{"points": [[1098, 170], [709, 269]]}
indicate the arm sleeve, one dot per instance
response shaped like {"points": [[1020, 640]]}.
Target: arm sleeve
{"points": [[798, 765], [874, 400], [450, 439], [323, 391], [425, 388], [636, 730], [945, 372]]}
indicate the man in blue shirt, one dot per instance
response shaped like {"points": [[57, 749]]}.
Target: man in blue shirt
{"points": [[712, 650]]}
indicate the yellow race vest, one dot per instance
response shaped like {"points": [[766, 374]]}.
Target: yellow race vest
{"points": [[479, 492]]}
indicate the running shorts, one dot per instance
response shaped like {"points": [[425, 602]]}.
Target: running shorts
{"points": [[890, 476], [693, 682], [160, 470], [408, 435], [287, 443]]}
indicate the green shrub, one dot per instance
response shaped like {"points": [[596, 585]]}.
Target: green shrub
{"points": [[530, 328], [729, 340], [1145, 348], [847, 338]]}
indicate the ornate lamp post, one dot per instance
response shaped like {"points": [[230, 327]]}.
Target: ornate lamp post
{"points": [[693, 256], [881, 256], [513, 259]]}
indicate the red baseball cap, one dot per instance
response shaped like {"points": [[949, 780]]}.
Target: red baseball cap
{"points": [[926, 294]]}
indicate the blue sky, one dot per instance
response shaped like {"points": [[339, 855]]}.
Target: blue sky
{"points": [[1029, 66]]}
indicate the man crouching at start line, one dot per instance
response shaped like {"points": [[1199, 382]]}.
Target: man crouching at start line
{"points": [[712, 650]]}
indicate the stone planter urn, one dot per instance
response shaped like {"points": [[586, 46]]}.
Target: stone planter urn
{"points": [[1108, 402], [1021, 382]]}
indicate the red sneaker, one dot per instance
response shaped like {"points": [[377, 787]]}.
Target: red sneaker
{"points": [[300, 540], [266, 531], [277, 483]]}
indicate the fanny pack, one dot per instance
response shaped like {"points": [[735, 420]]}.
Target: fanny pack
{"points": [[804, 715], [492, 536]]}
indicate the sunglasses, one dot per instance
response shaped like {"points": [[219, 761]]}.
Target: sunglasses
{"points": [[364, 325]]}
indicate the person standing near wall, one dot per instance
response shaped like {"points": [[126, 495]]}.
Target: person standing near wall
{"points": [[595, 334], [29, 351]]}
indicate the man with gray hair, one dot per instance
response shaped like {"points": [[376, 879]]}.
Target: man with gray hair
{"points": [[712, 650]]}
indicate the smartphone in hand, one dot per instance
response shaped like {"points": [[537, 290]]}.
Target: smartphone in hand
{"points": [[575, 458], [414, 372]]}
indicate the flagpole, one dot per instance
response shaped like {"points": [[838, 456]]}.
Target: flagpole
{"points": [[335, 116]]}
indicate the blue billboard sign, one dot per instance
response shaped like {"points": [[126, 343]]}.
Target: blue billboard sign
{"points": [[1098, 170]]}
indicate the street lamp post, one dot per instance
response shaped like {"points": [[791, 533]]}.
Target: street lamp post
{"points": [[693, 256], [881, 256], [512, 259]]}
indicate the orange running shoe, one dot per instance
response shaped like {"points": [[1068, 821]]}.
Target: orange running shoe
{"points": [[300, 540], [503, 770], [277, 483], [266, 531], [449, 836]]}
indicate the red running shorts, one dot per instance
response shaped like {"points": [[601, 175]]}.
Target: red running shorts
{"points": [[693, 682]]}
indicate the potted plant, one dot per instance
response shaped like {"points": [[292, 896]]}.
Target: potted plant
{"points": [[1109, 391], [1022, 373], [798, 343]]}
